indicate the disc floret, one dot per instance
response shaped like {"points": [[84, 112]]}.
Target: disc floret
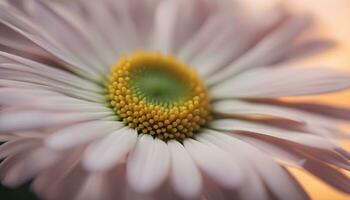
{"points": [[158, 95]]}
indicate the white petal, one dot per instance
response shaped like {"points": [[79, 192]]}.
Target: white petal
{"points": [[252, 182], [9, 74], [213, 191], [294, 136], [68, 35], [185, 176], [103, 47], [148, 165], [282, 156], [274, 176], [280, 82], [307, 49], [268, 50], [296, 155], [323, 122], [16, 146], [80, 133], [13, 40], [199, 40], [246, 108], [61, 185], [47, 100], [177, 21], [328, 174], [48, 179], [165, 22], [5, 138], [239, 108], [325, 110], [225, 46], [216, 163], [28, 167], [33, 119], [14, 20], [123, 36], [105, 153], [99, 186], [24, 64], [96, 98]]}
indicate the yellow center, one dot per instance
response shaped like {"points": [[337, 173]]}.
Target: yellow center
{"points": [[158, 95]]}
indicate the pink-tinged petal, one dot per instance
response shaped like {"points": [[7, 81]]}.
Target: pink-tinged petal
{"points": [[176, 22], [105, 153], [309, 120], [166, 192], [49, 181], [328, 174], [253, 182], [250, 31], [27, 65], [193, 47], [215, 163], [108, 185], [165, 25], [66, 186], [65, 88], [29, 166], [16, 21], [5, 138], [81, 133], [148, 165], [296, 155], [32, 119], [69, 36], [143, 15], [114, 40], [124, 13], [185, 176], [212, 190], [16, 146], [287, 158], [265, 130], [281, 82], [48, 100], [267, 51], [276, 178], [307, 49], [244, 108], [313, 118], [13, 41], [9, 163], [329, 111], [224, 48], [94, 188]]}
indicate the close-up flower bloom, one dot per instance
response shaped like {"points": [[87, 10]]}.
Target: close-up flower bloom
{"points": [[164, 99]]}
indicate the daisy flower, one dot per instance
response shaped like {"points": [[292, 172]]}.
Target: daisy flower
{"points": [[163, 99]]}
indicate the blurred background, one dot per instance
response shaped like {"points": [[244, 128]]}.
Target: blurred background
{"points": [[332, 21]]}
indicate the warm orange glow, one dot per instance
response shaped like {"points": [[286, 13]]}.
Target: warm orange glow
{"points": [[332, 21]]}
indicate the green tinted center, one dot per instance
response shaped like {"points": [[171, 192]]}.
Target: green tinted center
{"points": [[160, 87]]}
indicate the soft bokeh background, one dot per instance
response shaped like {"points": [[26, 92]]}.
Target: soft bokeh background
{"points": [[333, 21]]}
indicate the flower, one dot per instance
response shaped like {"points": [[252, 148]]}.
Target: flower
{"points": [[163, 99]]}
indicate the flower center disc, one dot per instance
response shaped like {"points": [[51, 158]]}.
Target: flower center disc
{"points": [[158, 95]]}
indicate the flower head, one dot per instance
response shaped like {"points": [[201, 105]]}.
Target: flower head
{"points": [[163, 99], [158, 95]]}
